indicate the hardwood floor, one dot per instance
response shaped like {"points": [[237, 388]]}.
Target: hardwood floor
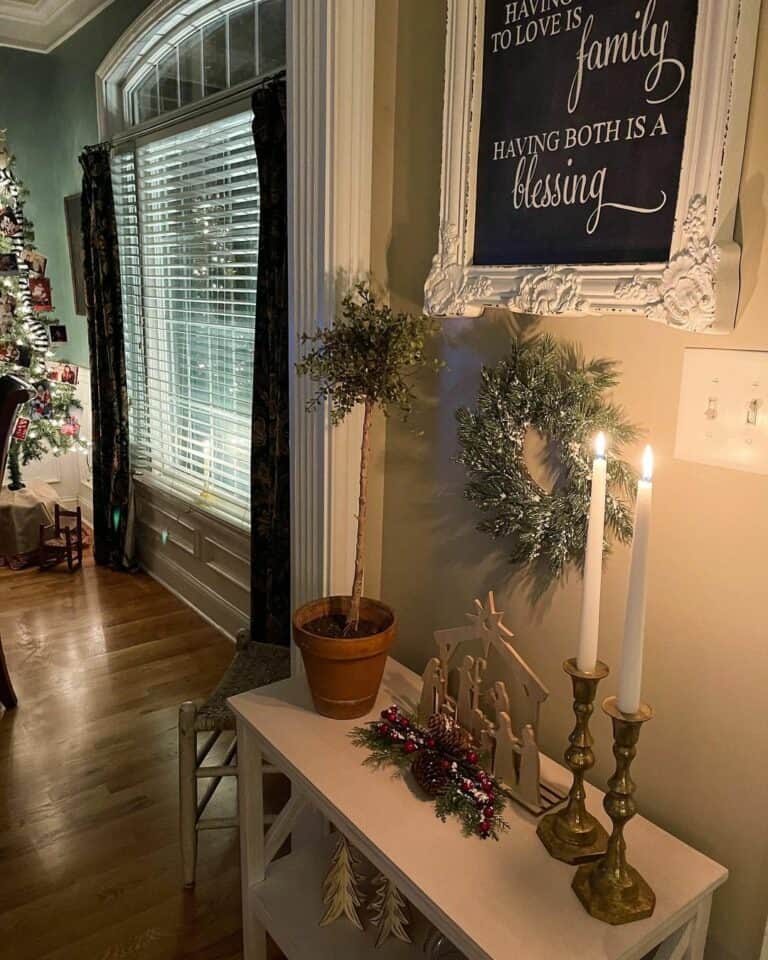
{"points": [[89, 861]]}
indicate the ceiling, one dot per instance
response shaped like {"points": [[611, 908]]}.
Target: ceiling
{"points": [[41, 25]]}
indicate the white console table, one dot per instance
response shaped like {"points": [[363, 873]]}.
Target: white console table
{"points": [[492, 900]]}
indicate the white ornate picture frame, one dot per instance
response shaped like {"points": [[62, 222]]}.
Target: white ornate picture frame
{"points": [[698, 288]]}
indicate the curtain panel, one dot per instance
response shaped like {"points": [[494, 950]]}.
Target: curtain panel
{"points": [[112, 493], [270, 466]]}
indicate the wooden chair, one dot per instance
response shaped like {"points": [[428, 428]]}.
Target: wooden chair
{"points": [[254, 665], [14, 393], [62, 542]]}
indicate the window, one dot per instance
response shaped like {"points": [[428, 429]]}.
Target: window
{"points": [[187, 207], [212, 53], [186, 186]]}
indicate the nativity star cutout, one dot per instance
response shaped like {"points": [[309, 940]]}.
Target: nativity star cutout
{"points": [[488, 624]]}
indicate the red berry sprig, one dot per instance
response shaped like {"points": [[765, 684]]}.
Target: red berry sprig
{"points": [[467, 791]]}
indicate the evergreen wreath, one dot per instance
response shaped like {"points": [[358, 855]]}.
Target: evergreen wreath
{"points": [[548, 386]]}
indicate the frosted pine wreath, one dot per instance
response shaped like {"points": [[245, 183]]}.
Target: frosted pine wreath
{"points": [[549, 387]]}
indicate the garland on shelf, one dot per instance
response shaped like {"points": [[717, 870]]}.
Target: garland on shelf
{"points": [[444, 764], [549, 387]]}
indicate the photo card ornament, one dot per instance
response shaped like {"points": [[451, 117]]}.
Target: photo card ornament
{"points": [[21, 429], [36, 262], [40, 294], [10, 225], [66, 373], [501, 715], [9, 265]]}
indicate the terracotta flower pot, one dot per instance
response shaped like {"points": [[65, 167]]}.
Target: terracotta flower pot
{"points": [[344, 675]]}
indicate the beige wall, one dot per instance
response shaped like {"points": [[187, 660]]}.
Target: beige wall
{"points": [[703, 763]]}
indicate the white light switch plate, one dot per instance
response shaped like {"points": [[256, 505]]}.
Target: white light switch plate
{"points": [[721, 392]]}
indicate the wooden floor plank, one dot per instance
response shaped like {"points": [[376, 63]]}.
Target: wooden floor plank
{"points": [[88, 774]]}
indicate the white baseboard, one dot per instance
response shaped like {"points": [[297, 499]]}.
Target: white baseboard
{"points": [[195, 594]]}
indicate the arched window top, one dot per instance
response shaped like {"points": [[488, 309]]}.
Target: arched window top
{"points": [[180, 53]]}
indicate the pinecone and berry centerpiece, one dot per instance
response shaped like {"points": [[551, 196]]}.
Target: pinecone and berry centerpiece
{"points": [[444, 763]]}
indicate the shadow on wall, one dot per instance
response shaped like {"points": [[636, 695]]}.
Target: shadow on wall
{"points": [[753, 198]]}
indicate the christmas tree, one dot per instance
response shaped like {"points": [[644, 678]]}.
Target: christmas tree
{"points": [[341, 888], [390, 912], [48, 422]]}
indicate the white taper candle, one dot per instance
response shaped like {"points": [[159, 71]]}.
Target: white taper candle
{"points": [[631, 670], [589, 627]]}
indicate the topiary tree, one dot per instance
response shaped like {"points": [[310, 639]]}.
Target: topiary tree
{"points": [[369, 356]]}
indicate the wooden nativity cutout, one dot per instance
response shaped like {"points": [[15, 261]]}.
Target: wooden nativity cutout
{"points": [[501, 715]]}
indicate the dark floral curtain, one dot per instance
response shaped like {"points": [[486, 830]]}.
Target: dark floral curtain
{"points": [[270, 476], [112, 502]]}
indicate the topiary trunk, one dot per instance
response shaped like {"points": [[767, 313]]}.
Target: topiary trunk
{"points": [[353, 618]]}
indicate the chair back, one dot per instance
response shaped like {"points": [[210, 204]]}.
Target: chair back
{"points": [[14, 393]]}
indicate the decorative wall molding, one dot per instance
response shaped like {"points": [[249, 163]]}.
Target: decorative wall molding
{"points": [[39, 26], [199, 558], [330, 145], [698, 288]]}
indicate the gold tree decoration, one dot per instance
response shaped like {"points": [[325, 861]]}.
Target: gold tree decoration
{"points": [[368, 357], [390, 911], [341, 888]]}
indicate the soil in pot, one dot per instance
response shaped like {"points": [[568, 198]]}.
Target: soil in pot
{"points": [[334, 625]]}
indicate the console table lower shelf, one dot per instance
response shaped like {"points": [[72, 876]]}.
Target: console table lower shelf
{"points": [[289, 904], [491, 901]]}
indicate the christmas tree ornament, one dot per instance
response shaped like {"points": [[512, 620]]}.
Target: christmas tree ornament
{"points": [[341, 888], [548, 387], [390, 911]]}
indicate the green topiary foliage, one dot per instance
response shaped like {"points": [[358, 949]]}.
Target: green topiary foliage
{"points": [[369, 356]]}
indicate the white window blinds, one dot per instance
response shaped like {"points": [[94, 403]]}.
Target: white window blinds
{"points": [[187, 208]]}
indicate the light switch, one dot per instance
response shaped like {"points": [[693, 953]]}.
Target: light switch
{"points": [[723, 416]]}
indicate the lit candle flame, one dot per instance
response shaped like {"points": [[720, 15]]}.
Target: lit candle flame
{"points": [[648, 464], [600, 445]]}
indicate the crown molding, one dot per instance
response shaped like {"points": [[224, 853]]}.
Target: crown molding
{"points": [[40, 27]]}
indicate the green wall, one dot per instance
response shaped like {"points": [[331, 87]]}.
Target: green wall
{"points": [[48, 107]]}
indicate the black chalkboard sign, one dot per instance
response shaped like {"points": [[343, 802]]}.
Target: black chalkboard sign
{"points": [[584, 112]]}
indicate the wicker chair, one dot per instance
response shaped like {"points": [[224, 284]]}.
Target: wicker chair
{"points": [[255, 665]]}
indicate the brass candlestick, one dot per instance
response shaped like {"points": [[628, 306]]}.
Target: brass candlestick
{"points": [[610, 889], [572, 834]]}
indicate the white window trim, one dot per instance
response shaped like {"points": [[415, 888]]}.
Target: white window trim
{"points": [[168, 126], [330, 52]]}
